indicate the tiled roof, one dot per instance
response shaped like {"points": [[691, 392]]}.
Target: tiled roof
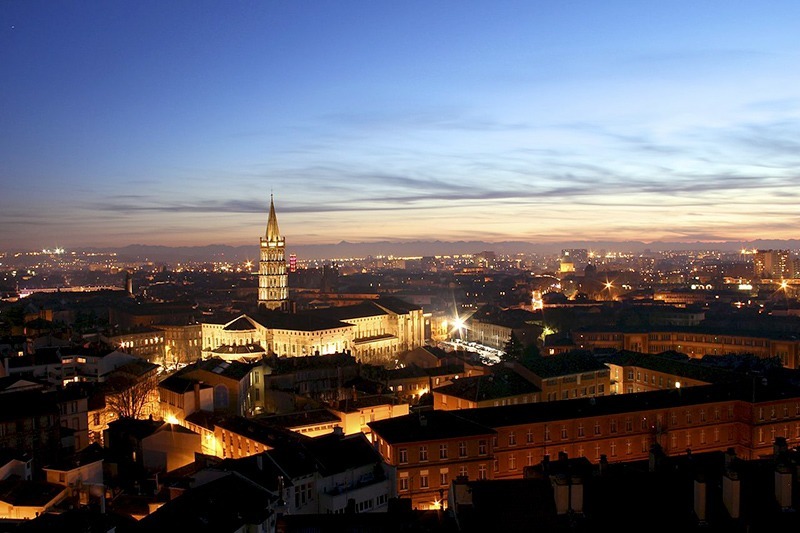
{"points": [[428, 426], [575, 362], [297, 321], [300, 418], [502, 383], [672, 363], [225, 504], [181, 384], [230, 369]]}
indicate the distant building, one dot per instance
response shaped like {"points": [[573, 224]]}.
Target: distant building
{"points": [[773, 264]]}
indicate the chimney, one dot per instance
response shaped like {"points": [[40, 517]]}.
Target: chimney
{"points": [[700, 499], [603, 464], [576, 494], [561, 490], [732, 492], [783, 487]]}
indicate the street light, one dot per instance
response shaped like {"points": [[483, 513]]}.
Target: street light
{"points": [[608, 286]]}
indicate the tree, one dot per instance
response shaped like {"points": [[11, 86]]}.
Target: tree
{"points": [[128, 397], [513, 349]]}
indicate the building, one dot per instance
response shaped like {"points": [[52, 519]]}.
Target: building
{"points": [[429, 450], [570, 375], [375, 331], [498, 442], [30, 423], [698, 492], [230, 381], [694, 342], [773, 264], [356, 411], [492, 326], [229, 502], [273, 280], [502, 386], [180, 396]]}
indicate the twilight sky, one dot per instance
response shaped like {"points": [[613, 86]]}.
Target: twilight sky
{"points": [[171, 122]]}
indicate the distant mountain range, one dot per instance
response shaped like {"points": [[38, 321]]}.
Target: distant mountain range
{"points": [[219, 252]]}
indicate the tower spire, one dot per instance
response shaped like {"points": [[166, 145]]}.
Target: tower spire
{"points": [[273, 233]]}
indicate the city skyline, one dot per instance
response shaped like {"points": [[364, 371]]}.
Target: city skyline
{"points": [[171, 124]]}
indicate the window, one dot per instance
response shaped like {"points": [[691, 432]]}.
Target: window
{"points": [[462, 449], [423, 453], [529, 436], [443, 477], [512, 462], [481, 447], [403, 455], [443, 451], [423, 480], [512, 439], [482, 472], [403, 483]]}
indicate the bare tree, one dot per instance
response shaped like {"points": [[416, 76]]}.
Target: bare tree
{"points": [[128, 397]]}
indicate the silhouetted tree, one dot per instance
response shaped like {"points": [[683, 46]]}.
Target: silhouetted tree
{"points": [[513, 348]]}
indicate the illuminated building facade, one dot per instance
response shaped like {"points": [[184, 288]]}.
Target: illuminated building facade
{"points": [[273, 280]]}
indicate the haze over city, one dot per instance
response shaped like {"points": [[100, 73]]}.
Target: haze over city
{"points": [[172, 123]]}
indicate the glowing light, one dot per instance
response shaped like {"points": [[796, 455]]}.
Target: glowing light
{"points": [[171, 419]]}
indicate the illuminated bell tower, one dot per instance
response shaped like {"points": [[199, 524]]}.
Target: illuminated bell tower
{"points": [[273, 281]]}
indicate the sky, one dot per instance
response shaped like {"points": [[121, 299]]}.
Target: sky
{"points": [[172, 122]]}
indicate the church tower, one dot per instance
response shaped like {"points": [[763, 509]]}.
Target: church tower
{"points": [[273, 281]]}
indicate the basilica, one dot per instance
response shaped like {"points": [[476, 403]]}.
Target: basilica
{"points": [[373, 331]]}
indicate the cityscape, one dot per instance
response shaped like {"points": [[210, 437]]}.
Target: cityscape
{"points": [[383, 391], [293, 267]]}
